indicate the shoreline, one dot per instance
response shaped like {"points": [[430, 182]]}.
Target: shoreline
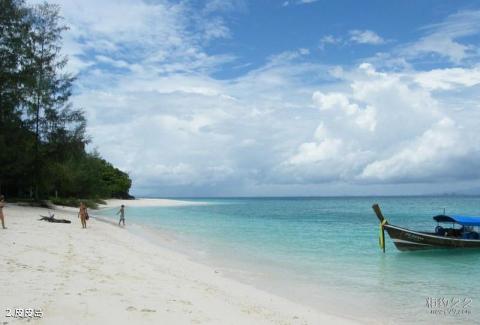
{"points": [[148, 202], [275, 279], [105, 274]]}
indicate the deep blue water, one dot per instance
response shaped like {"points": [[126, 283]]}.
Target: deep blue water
{"points": [[324, 252]]}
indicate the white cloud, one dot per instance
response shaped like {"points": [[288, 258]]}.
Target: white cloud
{"points": [[225, 6], [439, 153], [297, 2], [365, 37], [167, 36], [286, 57], [216, 28], [272, 126], [329, 40], [354, 37], [444, 39], [387, 128], [449, 78]]}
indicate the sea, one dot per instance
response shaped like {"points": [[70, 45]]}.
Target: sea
{"points": [[323, 252]]}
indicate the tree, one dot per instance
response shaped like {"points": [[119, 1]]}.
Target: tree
{"points": [[48, 88], [14, 28], [42, 137]]}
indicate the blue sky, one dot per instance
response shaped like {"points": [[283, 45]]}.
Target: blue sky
{"points": [[297, 97], [264, 28]]}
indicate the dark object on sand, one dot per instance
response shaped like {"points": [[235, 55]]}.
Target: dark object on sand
{"points": [[52, 219], [404, 239]]}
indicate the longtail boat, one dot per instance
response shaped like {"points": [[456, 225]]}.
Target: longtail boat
{"points": [[442, 237]]}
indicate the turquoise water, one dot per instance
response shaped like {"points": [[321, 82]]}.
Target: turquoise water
{"points": [[324, 252]]}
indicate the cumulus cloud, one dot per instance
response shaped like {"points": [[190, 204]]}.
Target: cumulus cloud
{"points": [[436, 154], [389, 128], [216, 131]]}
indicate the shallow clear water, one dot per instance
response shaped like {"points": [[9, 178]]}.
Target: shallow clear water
{"points": [[324, 252]]}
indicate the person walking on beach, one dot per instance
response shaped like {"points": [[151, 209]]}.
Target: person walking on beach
{"points": [[122, 215], [83, 215], [2, 216]]}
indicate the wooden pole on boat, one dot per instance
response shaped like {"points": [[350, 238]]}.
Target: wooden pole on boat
{"points": [[378, 212], [383, 221]]}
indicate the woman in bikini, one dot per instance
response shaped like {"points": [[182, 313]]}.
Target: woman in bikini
{"points": [[2, 216], [83, 214]]}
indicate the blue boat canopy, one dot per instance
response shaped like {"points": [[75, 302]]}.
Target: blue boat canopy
{"points": [[462, 220]]}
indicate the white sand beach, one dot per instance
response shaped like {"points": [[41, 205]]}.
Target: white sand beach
{"points": [[106, 275]]}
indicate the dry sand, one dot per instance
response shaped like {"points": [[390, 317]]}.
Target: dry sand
{"points": [[106, 275]]}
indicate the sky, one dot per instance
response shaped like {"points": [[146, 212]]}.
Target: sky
{"points": [[280, 98]]}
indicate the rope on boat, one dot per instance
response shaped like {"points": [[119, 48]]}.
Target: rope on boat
{"points": [[381, 238]]}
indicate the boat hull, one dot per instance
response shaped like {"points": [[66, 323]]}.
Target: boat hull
{"points": [[409, 240]]}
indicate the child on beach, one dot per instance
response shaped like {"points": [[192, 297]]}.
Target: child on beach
{"points": [[122, 215], [83, 215], [2, 216]]}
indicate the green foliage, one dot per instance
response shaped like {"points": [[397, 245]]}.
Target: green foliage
{"points": [[42, 138], [88, 176]]}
